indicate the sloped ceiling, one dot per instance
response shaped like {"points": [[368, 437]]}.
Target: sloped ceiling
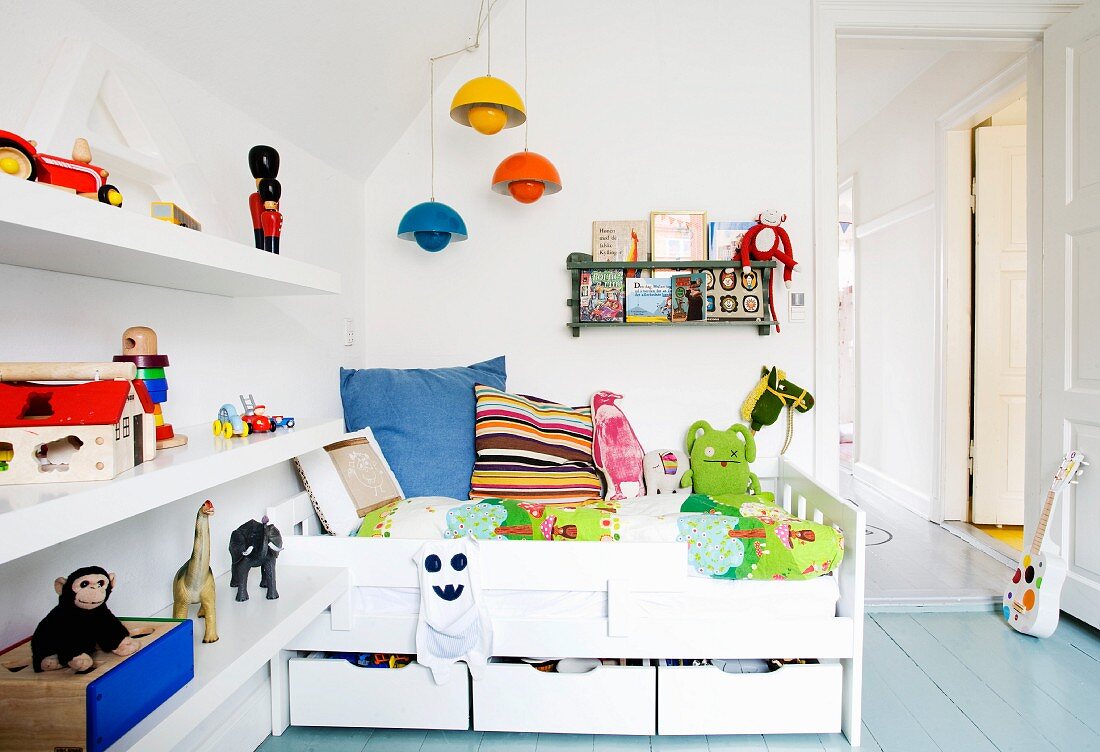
{"points": [[869, 77], [340, 78]]}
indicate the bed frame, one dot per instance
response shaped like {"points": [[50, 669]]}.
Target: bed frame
{"points": [[314, 692]]}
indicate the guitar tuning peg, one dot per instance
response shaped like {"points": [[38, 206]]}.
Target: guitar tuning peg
{"points": [[1074, 482]]}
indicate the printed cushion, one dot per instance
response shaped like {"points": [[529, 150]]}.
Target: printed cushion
{"points": [[423, 420], [347, 480], [528, 448]]}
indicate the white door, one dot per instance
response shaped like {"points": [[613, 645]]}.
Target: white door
{"points": [[1070, 407], [1000, 324]]}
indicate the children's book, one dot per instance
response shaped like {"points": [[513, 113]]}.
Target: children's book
{"points": [[602, 294], [648, 300], [688, 297], [624, 240], [725, 239]]}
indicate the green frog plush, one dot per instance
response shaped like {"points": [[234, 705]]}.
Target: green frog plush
{"points": [[720, 460]]}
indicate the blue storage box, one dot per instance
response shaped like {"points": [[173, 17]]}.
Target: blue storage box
{"points": [[62, 709]]}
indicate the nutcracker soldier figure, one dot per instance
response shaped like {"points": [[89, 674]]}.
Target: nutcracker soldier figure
{"points": [[264, 163], [271, 221]]}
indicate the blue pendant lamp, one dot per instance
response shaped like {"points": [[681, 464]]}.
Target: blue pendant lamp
{"points": [[432, 224]]}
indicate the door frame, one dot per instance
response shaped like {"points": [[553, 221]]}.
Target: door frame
{"points": [[850, 183], [978, 21]]}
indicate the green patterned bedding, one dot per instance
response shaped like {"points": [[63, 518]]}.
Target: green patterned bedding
{"points": [[735, 536]]}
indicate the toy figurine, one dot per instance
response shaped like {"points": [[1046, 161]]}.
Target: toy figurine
{"points": [[271, 221], [80, 622], [770, 395], [263, 161], [663, 469], [229, 423], [139, 346], [194, 582], [768, 222], [258, 420], [21, 159], [255, 544], [616, 450], [720, 460]]}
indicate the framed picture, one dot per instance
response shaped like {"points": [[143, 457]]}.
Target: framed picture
{"points": [[620, 240], [725, 239], [678, 235]]}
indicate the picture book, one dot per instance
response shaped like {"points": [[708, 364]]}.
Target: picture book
{"points": [[725, 239], [688, 294], [648, 300], [623, 240], [601, 294]]}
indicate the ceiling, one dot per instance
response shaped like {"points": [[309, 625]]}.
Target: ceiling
{"points": [[342, 79], [869, 77]]}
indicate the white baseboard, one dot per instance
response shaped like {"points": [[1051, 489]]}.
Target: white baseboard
{"points": [[869, 480], [237, 727]]}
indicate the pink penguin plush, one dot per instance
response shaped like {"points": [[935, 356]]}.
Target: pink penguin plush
{"points": [[615, 448]]}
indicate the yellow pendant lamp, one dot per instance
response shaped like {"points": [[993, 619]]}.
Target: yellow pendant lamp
{"points": [[488, 104], [526, 175]]}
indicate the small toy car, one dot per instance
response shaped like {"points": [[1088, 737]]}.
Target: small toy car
{"points": [[229, 423], [257, 419], [20, 158]]}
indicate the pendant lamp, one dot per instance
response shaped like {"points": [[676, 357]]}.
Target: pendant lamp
{"points": [[526, 175], [485, 103], [432, 224]]}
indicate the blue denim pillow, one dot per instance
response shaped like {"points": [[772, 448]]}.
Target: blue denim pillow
{"points": [[423, 420]]}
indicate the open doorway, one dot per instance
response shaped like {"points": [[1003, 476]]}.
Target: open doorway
{"points": [[920, 309]]}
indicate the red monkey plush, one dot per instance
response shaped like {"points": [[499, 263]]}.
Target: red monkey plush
{"points": [[767, 222]]}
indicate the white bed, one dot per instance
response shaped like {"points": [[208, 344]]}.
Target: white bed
{"points": [[605, 600]]}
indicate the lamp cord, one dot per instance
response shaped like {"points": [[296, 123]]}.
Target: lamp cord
{"points": [[484, 11], [526, 96]]}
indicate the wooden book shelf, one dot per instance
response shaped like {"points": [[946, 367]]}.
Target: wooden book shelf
{"points": [[578, 262]]}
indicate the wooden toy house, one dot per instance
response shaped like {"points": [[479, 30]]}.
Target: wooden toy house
{"points": [[56, 433]]}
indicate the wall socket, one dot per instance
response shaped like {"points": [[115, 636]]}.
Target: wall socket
{"points": [[349, 332]]}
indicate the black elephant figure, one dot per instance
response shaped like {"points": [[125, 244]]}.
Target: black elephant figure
{"points": [[255, 544]]}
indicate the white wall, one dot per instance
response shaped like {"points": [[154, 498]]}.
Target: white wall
{"points": [[642, 106], [284, 350], [892, 157]]}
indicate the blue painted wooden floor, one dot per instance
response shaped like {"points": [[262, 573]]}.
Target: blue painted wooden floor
{"points": [[943, 682]]}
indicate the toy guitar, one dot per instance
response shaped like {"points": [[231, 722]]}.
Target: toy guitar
{"points": [[1025, 608]]}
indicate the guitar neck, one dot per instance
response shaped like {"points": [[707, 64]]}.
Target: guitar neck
{"points": [[1041, 528]]}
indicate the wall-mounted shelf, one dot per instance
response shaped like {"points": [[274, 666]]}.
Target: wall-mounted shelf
{"points": [[36, 516], [249, 633], [45, 228], [578, 262]]}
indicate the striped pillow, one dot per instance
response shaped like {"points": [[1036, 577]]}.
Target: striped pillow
{"points": [[528, 448]]}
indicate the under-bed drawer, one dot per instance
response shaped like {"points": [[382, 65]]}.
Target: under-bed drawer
{"points": [[333, 692], [606, 700], [797, 698]]}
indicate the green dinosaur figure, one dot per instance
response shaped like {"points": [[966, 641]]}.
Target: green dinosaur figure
{"points": [[720, 460]]}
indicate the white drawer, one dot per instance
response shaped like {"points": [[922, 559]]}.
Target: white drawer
{"points": [[705, 700], [606, 700], [333, 692]]}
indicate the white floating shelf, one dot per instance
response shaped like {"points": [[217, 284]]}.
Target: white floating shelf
{"points": [[45, 228], [249, 634], [36, 516]]}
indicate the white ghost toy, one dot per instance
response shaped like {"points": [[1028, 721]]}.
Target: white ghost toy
{"points": [[453, 623]]}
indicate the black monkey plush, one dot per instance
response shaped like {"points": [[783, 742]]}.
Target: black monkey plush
{"points": [[81, 620]]}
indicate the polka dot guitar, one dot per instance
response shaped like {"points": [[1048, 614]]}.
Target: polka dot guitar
{"points": [[1031, 599]]}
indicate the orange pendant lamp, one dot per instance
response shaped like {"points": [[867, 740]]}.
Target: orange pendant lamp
{"points": [[526, 175], [488, 104]]}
